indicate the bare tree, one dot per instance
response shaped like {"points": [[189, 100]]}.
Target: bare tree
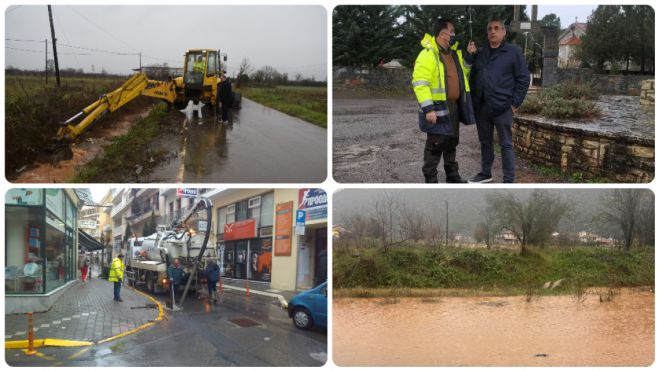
{"points": [[245, 67], [434, 228], [385, 211], [527, 219], [412, 222], [622, 208], [487, 228]]}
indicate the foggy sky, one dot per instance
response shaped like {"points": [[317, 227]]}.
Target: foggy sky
{"points": [[292, 39], [566, 13], [465, 205]]}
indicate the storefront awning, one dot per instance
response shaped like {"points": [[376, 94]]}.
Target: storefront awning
{"points": [[87, 242]]}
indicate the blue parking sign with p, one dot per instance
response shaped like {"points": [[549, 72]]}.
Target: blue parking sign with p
{"points": [[300, 217]]}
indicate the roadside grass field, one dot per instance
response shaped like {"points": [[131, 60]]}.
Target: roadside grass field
{"points": [[304, 102]]}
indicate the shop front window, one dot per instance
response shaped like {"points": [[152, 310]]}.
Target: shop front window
{"points": [[55, 249], [260, 261], [241, 259], [228, 255], [24, 252]]}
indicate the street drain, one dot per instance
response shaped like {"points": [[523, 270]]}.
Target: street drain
{"points": [[244, 322]]}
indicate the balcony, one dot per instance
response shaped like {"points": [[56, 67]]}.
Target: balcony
{"points": [[144, 214]]}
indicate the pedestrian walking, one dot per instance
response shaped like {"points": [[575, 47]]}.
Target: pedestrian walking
{"points": [[175, 275], [440, 83], [117, 275], [212, 274], [84, 269], [500, 81]]}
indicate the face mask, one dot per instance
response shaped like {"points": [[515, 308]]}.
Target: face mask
{"points": [[451, 41]]}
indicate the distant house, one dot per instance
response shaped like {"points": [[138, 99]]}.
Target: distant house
{"points": [[568, 42], [394, 63], [507, 238]]}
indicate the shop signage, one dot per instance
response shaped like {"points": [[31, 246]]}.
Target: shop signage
{"points": [[187, 192], [89, 224], [314, 202], [240, 230], [283, 229], [202, 226]]}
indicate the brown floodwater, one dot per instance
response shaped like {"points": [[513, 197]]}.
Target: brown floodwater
{"points": [[496, 331]]}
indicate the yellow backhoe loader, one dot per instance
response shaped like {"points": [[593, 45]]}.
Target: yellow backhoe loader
{"points": [[199, 83]]}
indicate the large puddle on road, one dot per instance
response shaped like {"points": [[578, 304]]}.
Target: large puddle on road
{"points": [[501, 331], [260, 145]]}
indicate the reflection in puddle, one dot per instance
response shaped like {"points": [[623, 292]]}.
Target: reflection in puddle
{"points": [[468, 331]]}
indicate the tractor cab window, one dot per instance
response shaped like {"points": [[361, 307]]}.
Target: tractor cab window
{"points": [[212, 63], [195, 67]]}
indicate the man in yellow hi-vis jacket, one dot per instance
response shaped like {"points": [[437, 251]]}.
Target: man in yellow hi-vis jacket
{"points": [[441, 85], [117, 275]]}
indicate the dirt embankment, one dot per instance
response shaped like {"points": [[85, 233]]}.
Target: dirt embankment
{"points": [[42, 170], [33, 114]]}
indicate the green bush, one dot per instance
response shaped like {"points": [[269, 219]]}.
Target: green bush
{"points": [[565, 100], [478, 269]]}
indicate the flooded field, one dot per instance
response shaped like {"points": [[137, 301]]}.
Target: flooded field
{"points": [[496, 331]]}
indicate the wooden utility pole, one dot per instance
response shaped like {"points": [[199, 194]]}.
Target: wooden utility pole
{"points": [[52, 35], [46, 69], [446, 202]]}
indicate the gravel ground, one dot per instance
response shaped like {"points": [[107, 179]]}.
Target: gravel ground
{"points": [[378, 141]]}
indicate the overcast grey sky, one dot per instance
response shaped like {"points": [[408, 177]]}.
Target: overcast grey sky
{"points": [[566, 13], [292, 39]]}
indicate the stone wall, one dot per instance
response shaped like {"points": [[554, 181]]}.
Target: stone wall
{"points": [[605, 84], [647, 92], [612, 157], [372, 78]]}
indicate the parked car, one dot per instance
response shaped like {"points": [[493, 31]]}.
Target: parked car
{"points": [[309, 308]]}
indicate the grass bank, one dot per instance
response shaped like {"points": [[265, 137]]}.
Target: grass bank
{"points": [[411, 272], [129, 155], [33, 112], [306, 103]]}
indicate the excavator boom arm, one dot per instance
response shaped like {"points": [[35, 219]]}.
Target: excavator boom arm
{"points": [[137, 85]]}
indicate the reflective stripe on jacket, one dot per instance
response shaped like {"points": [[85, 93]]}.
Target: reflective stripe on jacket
{"points": [[116, 270], [429, 85]]}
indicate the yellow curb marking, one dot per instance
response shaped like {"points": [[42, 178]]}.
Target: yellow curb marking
{"points": [[23, 344], [38, 354], [79, 353], [146, 325]]}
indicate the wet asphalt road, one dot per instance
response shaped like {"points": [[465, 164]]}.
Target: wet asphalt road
{"points": [[202, 335], [379, 141], [261, 145]]}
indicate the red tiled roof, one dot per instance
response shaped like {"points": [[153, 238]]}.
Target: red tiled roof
{"points": [[571, 41]]}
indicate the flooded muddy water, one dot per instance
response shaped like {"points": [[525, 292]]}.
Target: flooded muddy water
{"points": [[496, 331]]}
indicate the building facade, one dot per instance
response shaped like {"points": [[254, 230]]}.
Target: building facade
{"points": [[41, 246]]}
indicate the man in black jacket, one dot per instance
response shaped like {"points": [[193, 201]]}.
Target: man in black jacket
{"points": [[499, 82], [226, 97]]}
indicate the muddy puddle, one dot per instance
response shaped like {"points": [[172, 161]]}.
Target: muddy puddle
{"points": [[496, 331], [90, 146]]}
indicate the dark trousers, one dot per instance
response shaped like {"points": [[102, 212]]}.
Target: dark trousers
{"points": [[226, 108], [177, 291], [117, 290], [486, 122], [436, 147], [211, 288]]}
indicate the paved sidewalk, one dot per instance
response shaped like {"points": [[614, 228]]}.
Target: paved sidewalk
{"points": [[86, 312]]}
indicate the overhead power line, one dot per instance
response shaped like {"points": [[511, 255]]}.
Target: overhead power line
{"points": [[41, 51]]}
